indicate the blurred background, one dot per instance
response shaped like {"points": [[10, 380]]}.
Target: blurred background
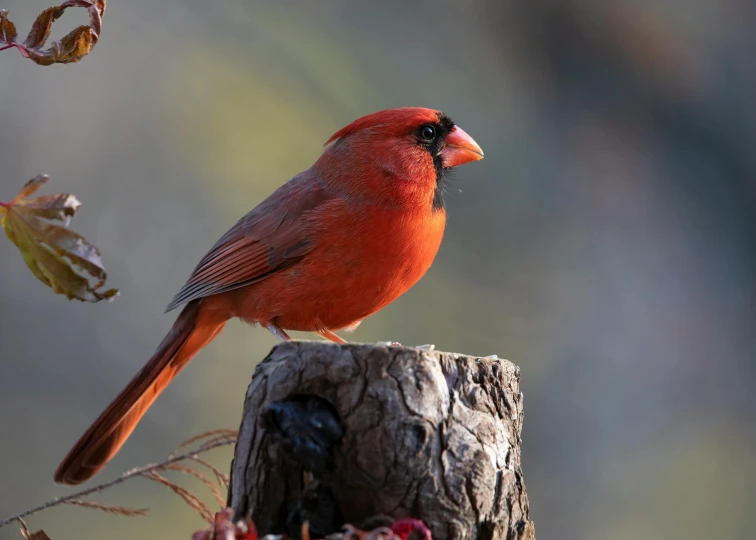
{"points": [[606, 244]]}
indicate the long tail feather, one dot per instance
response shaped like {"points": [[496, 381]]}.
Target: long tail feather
{"points": [[194, 328]]}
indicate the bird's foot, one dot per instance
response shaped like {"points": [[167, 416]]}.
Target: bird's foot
{"points": [[330, 336], [277, 331], [492, 357]]}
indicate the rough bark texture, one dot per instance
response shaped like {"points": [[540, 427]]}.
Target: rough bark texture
{"points": [[399, 432]]}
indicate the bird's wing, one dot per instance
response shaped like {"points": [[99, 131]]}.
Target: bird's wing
{"points": [[265, 241]]}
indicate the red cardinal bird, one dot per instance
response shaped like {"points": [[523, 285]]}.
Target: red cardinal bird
{"points": [[333, 245]]}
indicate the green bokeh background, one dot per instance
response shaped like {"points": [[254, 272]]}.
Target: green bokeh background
{"points": [[606, 243]]}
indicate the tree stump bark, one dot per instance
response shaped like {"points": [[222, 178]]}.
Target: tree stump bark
{"points": [[354, 434]]}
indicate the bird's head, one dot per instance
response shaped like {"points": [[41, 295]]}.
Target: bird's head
{"points": [[399, 155]]}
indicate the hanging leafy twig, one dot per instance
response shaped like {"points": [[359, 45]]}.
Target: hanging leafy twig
{"points": [[71, 48]]}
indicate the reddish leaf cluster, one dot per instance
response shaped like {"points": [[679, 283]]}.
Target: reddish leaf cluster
{"points": [[222, 528], [71, 48], [403, 529]]}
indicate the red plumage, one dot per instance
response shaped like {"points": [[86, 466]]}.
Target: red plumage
{"points": [[332, 246]]}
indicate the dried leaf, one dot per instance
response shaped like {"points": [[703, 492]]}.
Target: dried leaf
{"points": [[42, 27], [8, 32], [59, 257], [39, 535], [71, 48], [77, 44]]}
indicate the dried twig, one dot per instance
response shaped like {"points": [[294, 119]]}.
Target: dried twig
{"points": [[138, 471], [120, 510], [184, 493], [202, 478], [24, 529], [222, 478], [216, 434]]}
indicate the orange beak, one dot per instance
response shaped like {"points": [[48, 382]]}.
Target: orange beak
{"points": [[459, 148]]}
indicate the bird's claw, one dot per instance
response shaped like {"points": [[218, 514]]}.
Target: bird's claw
{"points": [[427, 347], [492, 357]]}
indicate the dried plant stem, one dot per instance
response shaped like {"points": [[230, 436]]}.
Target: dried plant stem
{"points": [[119, 510], [184, 493], [138, 471], [24, 529], [222, 478], [216, 434], [199, 476]]}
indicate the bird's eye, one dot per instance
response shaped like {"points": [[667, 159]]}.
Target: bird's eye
{"points": [[427, 133]]}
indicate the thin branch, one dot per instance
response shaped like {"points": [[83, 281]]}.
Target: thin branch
{"points": [[190, 499], [223, 479], [199, 476], [138, 471], [216, 433], [119, 510]]}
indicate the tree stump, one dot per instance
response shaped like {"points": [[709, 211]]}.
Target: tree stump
{"points": [[336, 434]]}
